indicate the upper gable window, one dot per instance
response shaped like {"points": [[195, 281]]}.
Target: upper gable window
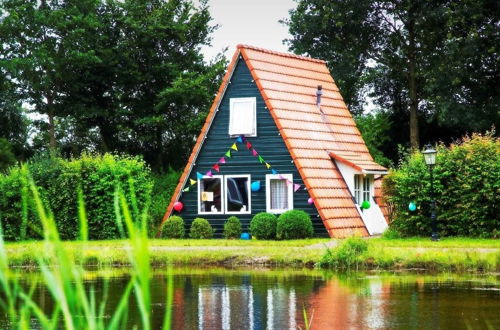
{"points": [[243, 116]]}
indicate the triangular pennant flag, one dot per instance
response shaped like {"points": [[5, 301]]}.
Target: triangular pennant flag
{"points": [[222, 160], [228, 154], [209, 174], [261, 160], [216, 167], [281, 177], [199, 175], [239, 139], [296, 187], [185, 189], [192, 181], [268, 165], [274, 171], [288, 182], [249, 145], [254, 152], [234, 147]]}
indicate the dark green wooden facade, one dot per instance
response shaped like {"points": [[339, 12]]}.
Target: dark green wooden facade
{"points": [[268, 143]]}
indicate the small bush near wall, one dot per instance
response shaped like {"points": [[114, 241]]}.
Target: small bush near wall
{"points": [[201, 229], [163, 189], [232, 228], [466, 185], [173, 228], [294, 224], [59, 180], [263, 226]]}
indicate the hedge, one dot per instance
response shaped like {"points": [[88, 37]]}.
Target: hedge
{"points": [[58, 181], [466, 185]]}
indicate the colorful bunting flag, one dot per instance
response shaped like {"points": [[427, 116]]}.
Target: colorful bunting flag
{"points": [[249, 145], [296, 187], [199, 175], [281, 177], [254, 152], [261, 160], [234, 147], [185, 189], [222, 160], [216, 167], [192, 181], [228, 154], [274, 171], [268, 166], [239, 139], [288, 182], [209, 174]]}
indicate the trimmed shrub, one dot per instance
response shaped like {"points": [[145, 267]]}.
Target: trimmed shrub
{"points": [[173, 227], [58, 181], [294, 224], [232, 228], [201, 229], [466, 186], [263, 226]]}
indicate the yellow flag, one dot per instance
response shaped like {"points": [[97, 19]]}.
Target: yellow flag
{"points": [[267, 165], [192, 181], [234, 147]]}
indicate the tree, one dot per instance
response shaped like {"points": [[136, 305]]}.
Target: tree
{"points": [[399, 50]]}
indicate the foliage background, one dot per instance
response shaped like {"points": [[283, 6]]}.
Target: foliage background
{"points": [[467, 190]]}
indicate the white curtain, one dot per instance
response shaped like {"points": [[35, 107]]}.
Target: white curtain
{"points": [[279, 194]]}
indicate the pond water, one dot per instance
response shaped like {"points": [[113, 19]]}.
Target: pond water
{"points": [[216, 298]]}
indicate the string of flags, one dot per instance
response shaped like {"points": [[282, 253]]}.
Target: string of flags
{"points": [[234, 148]]}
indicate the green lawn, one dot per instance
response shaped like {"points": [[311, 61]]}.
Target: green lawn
{"points": [[462, 254]]}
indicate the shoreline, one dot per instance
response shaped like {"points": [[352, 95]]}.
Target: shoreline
{"points": [[448, 255]]}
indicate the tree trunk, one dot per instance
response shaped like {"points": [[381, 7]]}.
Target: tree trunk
{"points": [[52, 129], [106, 133], [412, 81]]}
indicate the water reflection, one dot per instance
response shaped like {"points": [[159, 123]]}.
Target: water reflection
{"points": [[275, 299]]}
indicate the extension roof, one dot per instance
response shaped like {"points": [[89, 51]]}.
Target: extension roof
{"points": [[314, 136]]}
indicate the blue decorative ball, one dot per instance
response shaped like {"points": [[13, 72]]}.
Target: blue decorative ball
{"points": [[255, 186], [412, 206], [245, 236]]}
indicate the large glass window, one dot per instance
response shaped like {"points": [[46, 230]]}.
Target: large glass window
{"points": [[210, 194], [243, 116], [279, 193], [237, 193]]}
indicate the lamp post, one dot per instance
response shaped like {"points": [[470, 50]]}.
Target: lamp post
{"points": [[430, 160]]}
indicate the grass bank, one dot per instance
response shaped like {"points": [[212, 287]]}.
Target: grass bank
{"points": [[449, 254]]}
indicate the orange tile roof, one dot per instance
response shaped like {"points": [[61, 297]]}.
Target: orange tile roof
{"points": [[313, 135]]}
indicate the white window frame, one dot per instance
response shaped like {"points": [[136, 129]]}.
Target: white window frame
{"points": [[270, 177], [249, 211], [253, 101], [221, 177], [367, 190], [358, 188]]}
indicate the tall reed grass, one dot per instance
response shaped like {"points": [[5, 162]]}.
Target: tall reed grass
{"points": [[75, 306]]}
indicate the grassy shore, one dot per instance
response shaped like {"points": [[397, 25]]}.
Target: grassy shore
{"points": [[449, 254]]}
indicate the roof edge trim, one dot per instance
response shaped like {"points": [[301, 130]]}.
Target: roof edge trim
{"points": [[306, 58]]}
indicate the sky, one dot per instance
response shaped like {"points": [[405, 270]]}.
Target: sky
{"points": [[252, 22]]}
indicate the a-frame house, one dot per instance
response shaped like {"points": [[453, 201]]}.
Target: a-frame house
{"points": [[279, 136]]}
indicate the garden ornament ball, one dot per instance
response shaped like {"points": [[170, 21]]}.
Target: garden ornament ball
{"points": [[412, 206], [255, 186], [310, 201], [245, 236], [178, 206], [365, 205]]}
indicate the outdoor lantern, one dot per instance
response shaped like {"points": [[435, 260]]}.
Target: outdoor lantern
{"points": [[430, 155]]}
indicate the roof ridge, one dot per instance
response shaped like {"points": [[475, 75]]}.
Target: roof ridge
{"points": [[268, 51]]}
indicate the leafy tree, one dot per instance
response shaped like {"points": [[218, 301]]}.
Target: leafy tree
{"points": [[7, 157], [374, 128], [409, 55]]}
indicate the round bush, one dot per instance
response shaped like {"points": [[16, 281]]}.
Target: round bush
{"points": [[232, 228], [263, 226], [173, 228], [294, 224], [201, 229]]}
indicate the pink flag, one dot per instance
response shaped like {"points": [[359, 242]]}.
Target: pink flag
{"points": [[209, 173], [281, 177], [296, 187], [288, 182], [254, 152], [222, 160]]}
